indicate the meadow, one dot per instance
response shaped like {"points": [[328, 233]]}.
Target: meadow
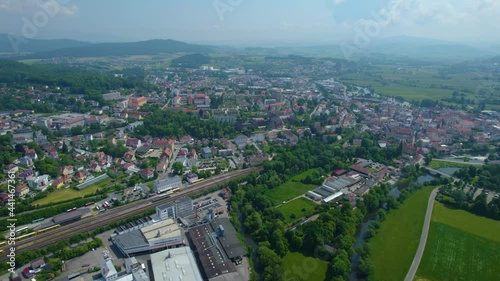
{"points": [[296, 209], [302, 268], [290, 189], [66, 194], [393, 247]]}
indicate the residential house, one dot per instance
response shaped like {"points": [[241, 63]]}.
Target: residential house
{"points": [[80, 176], [147, 174], [167, 153], [31, 153], [133, 143], [39, 182], [206, 153], [67, 172], [22, 190], [193, 155], [26, 161], [26, 174], [58, 183], [129, 156], [186, 139], [11, 169], [241, 140], [290, 137]]}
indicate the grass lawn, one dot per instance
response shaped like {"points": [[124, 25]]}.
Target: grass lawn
{"points": [[295, 207], [289, 190], [66, 194], [452, 254], [467, 222], [438, 163], [301, 268], [393, 247]]}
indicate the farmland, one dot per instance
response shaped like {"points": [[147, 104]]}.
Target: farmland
{"points": [[298, 208], [461, 246], [416, 83], [394, 245], [301, 268], [452, 254]]}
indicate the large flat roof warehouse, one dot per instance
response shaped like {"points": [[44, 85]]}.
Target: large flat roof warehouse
{"points": [[229, 241], [213, 259], [166, 229], [159, 235], [175, 264]]}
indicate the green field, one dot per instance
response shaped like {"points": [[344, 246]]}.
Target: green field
{"points": [[415, 83], [393, 247], [438, 163], [66, 194], [289, 190], [301, 268], [461, 246], [467, 222], [452, 254], [296, 207]]}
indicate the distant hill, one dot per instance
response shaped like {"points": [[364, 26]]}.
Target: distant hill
{"points": [[35, 45], [150, 47]]}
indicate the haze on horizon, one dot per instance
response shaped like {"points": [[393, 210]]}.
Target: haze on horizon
{"points": [[254, 22]]}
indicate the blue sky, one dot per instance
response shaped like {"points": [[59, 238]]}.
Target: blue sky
{"points": [[253, 21]]}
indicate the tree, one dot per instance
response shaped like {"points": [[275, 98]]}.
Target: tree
{"points": [[271, 264], [340, 267], [178, 168]]}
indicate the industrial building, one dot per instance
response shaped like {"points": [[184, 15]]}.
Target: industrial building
{"points": [[180, 208], [218, 249], [332, 187], [175, 264], [157, 236]]}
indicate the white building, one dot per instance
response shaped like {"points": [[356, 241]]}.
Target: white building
{"points": [[175, 264], [168, 184]]}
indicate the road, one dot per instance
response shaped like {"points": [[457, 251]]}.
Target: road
{"points": [[423, 238]]}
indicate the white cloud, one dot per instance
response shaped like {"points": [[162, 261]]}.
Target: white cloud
{"points": [[33, 6]]}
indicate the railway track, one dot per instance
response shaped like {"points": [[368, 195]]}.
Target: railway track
{"points": [[116, 214]]}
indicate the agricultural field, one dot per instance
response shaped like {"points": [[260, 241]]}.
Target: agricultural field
{"points": [[66, 194], [461, 246], [415, 83], [296, 209], [289, 190], [302, 268], [452, 254], [393, 247]]}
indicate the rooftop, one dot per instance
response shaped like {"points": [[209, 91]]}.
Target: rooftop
{"points": [[166, 228], [175, 264], [212, 257]]}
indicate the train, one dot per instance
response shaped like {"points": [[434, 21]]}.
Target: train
{"points": [[34, 233], [175, 190], [38, 220], [89, 204]]}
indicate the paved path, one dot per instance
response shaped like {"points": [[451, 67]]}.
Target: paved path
{"points": [[423, 238]]}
